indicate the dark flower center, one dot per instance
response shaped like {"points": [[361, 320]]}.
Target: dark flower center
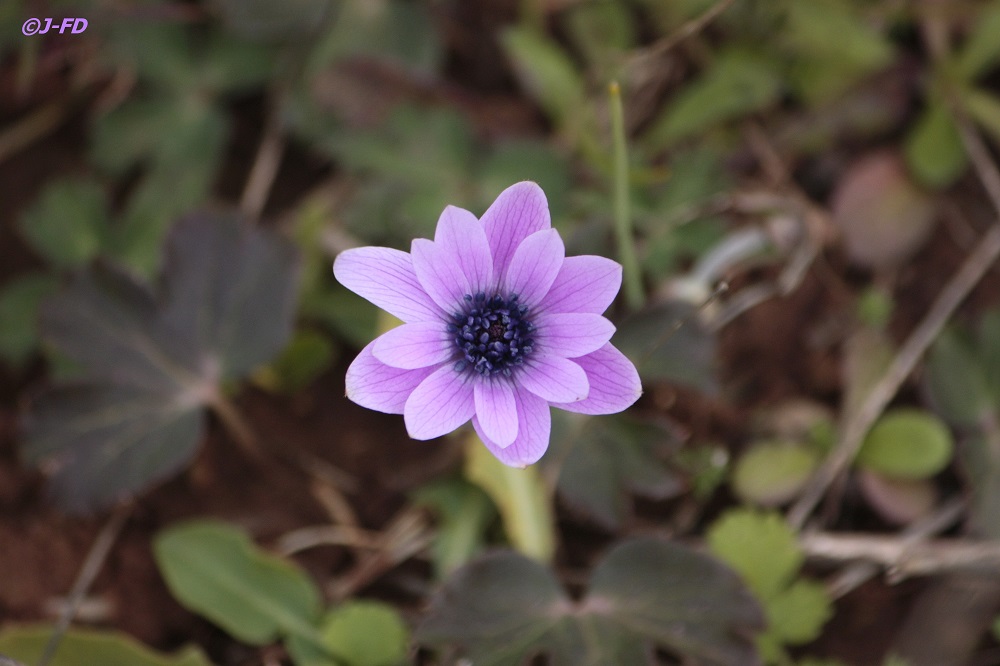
{"points": [[493, 335]]}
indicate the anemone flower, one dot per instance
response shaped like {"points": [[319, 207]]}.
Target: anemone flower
{"points": [[499, 326]]}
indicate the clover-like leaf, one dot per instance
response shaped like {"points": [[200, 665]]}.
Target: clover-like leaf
{"points": [[610, 457], [150, 363], [760, 546], [215, 570], [503, 608]]}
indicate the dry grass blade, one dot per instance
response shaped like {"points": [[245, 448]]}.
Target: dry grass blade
{"points": [[88, 572]]}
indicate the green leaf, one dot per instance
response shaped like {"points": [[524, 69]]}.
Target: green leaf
{"points": [[519, 495], [934, 150], [395, 30], [907, 443], [601, 31], [20, 300], [772, 473], [984, 108], [988, 351], [797, 614], [350, 316], [548, 75], [981, 50], [67, 224], [738, 82], [231, 65], [685, 355], [366, 633], [833, 47], [266, 20], [982, 468], [149, 364], [307, 356], [609, 457], [706, 465], [955, 378], [760, 546], [503, 607], [87, 647], [464, 512], [512, 161], [215, 570]]}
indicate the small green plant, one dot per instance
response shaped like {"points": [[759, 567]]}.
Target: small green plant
{"points": [[762, 548], [215, 570]]}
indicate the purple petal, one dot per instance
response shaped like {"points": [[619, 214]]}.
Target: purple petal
{"points": [[440, 404], [614, 383], [534, 266], [554, 378], [439, 274], [416, 345], [584, 284], [386, 278], [535, 425], [518, 212], [374, 385], [496, 411], [571, 334], [462, 236]]}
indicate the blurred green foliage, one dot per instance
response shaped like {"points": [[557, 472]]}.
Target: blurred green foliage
{"points": [[404, 114]]}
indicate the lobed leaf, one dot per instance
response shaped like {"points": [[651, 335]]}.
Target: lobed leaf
{"points": [[760, 546], [148, 364], [503, 608], [610, 457]]}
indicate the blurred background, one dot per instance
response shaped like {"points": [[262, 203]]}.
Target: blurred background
{"points": [[790, 185]]}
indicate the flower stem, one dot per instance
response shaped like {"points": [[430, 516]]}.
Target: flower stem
{"points": [[623, 216]]}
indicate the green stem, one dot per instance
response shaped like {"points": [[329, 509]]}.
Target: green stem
{"points": [[623, 217]]}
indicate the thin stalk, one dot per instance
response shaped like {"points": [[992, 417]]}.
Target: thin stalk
{"points": [[88, 572], [623, 216]]}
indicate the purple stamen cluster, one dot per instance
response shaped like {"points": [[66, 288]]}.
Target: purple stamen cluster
{"points": [[493, 335]]}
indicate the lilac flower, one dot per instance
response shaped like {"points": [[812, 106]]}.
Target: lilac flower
{"points": [[499, 325]]}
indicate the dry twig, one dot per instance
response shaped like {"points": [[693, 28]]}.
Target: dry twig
{"points": [[88, 572]]}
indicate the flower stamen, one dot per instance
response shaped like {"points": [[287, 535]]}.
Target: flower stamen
{"points": [[493, 334]]}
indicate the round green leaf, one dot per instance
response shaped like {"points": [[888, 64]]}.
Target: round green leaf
{"points": [[365, 633], [907, 443], [772, 473]]}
